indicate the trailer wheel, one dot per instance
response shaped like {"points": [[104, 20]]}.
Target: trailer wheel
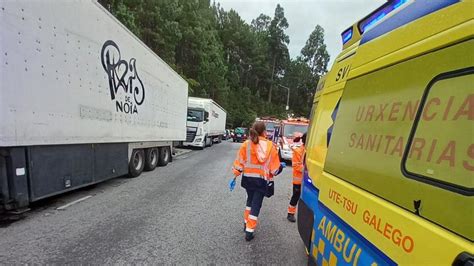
{"points": [[151, 159], [137, 163], [164, 156]]}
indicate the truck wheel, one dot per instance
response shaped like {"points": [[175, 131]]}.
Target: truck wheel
{"points": [[137, 163], [151, 159], [164, 156], [211, 141], [204, 144]]}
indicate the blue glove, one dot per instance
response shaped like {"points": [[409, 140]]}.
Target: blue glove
{"points": [[283, 164], [232, 183]]}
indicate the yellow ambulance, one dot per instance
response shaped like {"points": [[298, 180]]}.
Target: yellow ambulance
{"points": [[389, 176]]}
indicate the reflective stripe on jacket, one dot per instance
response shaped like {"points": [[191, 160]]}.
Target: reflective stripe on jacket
{"points": [[297, 162], [257, 160]]}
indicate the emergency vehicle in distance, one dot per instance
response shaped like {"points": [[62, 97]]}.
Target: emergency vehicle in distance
{"points": [[272, 124], [80, 103], [205, 123], [390, 162], [287, 130]]}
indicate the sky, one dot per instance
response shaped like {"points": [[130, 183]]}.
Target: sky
{"points": [[303, 15]]}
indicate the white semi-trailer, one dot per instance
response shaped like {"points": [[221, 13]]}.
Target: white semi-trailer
{"points": [[206, 123], [82, 100]]}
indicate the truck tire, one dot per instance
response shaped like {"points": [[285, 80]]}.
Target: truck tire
{"points": [[208, 141], [164, 156], [151, 159], [137, 163], [203, 146]]}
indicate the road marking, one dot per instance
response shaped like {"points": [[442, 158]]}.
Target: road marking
{"points": [[72, 203]]}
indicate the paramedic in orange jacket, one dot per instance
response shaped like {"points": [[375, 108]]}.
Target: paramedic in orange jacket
{"points": [[258, 162], [297, 161]]}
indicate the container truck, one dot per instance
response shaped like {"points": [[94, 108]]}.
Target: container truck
{"points": [[82, 100], [206, 123]]}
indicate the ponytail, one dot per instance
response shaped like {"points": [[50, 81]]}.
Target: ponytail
{"points": [[257, 130], [253, 135]]}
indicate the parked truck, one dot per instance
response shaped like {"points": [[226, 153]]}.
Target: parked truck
{"points": [[206, 123], [82, 100]]}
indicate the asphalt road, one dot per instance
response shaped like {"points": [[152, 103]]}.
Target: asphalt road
{"points": [[179, 214]]}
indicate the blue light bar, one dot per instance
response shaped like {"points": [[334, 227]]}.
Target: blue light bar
{"points": [[346, 35], [379, 14]]}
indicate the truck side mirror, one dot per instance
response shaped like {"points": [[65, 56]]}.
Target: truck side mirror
{"points": [[206, 116]]}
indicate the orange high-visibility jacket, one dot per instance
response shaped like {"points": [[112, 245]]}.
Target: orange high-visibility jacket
{"points": [[257, 160], [297, 162]]}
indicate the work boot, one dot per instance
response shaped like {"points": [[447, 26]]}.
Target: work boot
{"points": [[249, 236], [291, 217]]}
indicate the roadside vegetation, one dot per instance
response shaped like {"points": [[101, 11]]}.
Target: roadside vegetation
{"points": [[222, 57]]}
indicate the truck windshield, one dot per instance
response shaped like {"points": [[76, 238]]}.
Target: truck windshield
{"points": [[290, 130], [270, 126], [195, 115]]}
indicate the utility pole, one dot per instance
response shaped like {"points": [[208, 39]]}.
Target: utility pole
{"points": [[287, 98]]}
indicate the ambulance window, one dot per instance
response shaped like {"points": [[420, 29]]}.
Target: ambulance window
{"points": [[312, 122], [440, 150]]}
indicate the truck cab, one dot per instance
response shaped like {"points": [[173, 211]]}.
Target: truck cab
{"points": [[205, 123], [196, 125]]}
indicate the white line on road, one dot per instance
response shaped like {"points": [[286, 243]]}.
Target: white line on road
{"points": [[72, 203]]}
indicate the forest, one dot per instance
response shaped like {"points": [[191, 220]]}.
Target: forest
{"points": [[243, 67]]}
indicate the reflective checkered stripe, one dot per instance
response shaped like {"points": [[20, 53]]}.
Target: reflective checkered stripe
{"points": [[319, 251]]}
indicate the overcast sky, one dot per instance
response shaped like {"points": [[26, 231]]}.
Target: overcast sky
{"points": [[303, 15]]}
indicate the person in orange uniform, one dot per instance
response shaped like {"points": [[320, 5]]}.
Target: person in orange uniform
{"points": [[258, 162], [297, 162]]}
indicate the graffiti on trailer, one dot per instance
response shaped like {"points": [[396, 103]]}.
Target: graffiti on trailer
{"points": [[122, 75]]}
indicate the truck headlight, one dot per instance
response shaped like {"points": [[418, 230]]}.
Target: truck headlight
{"points": [[199, 132]]}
